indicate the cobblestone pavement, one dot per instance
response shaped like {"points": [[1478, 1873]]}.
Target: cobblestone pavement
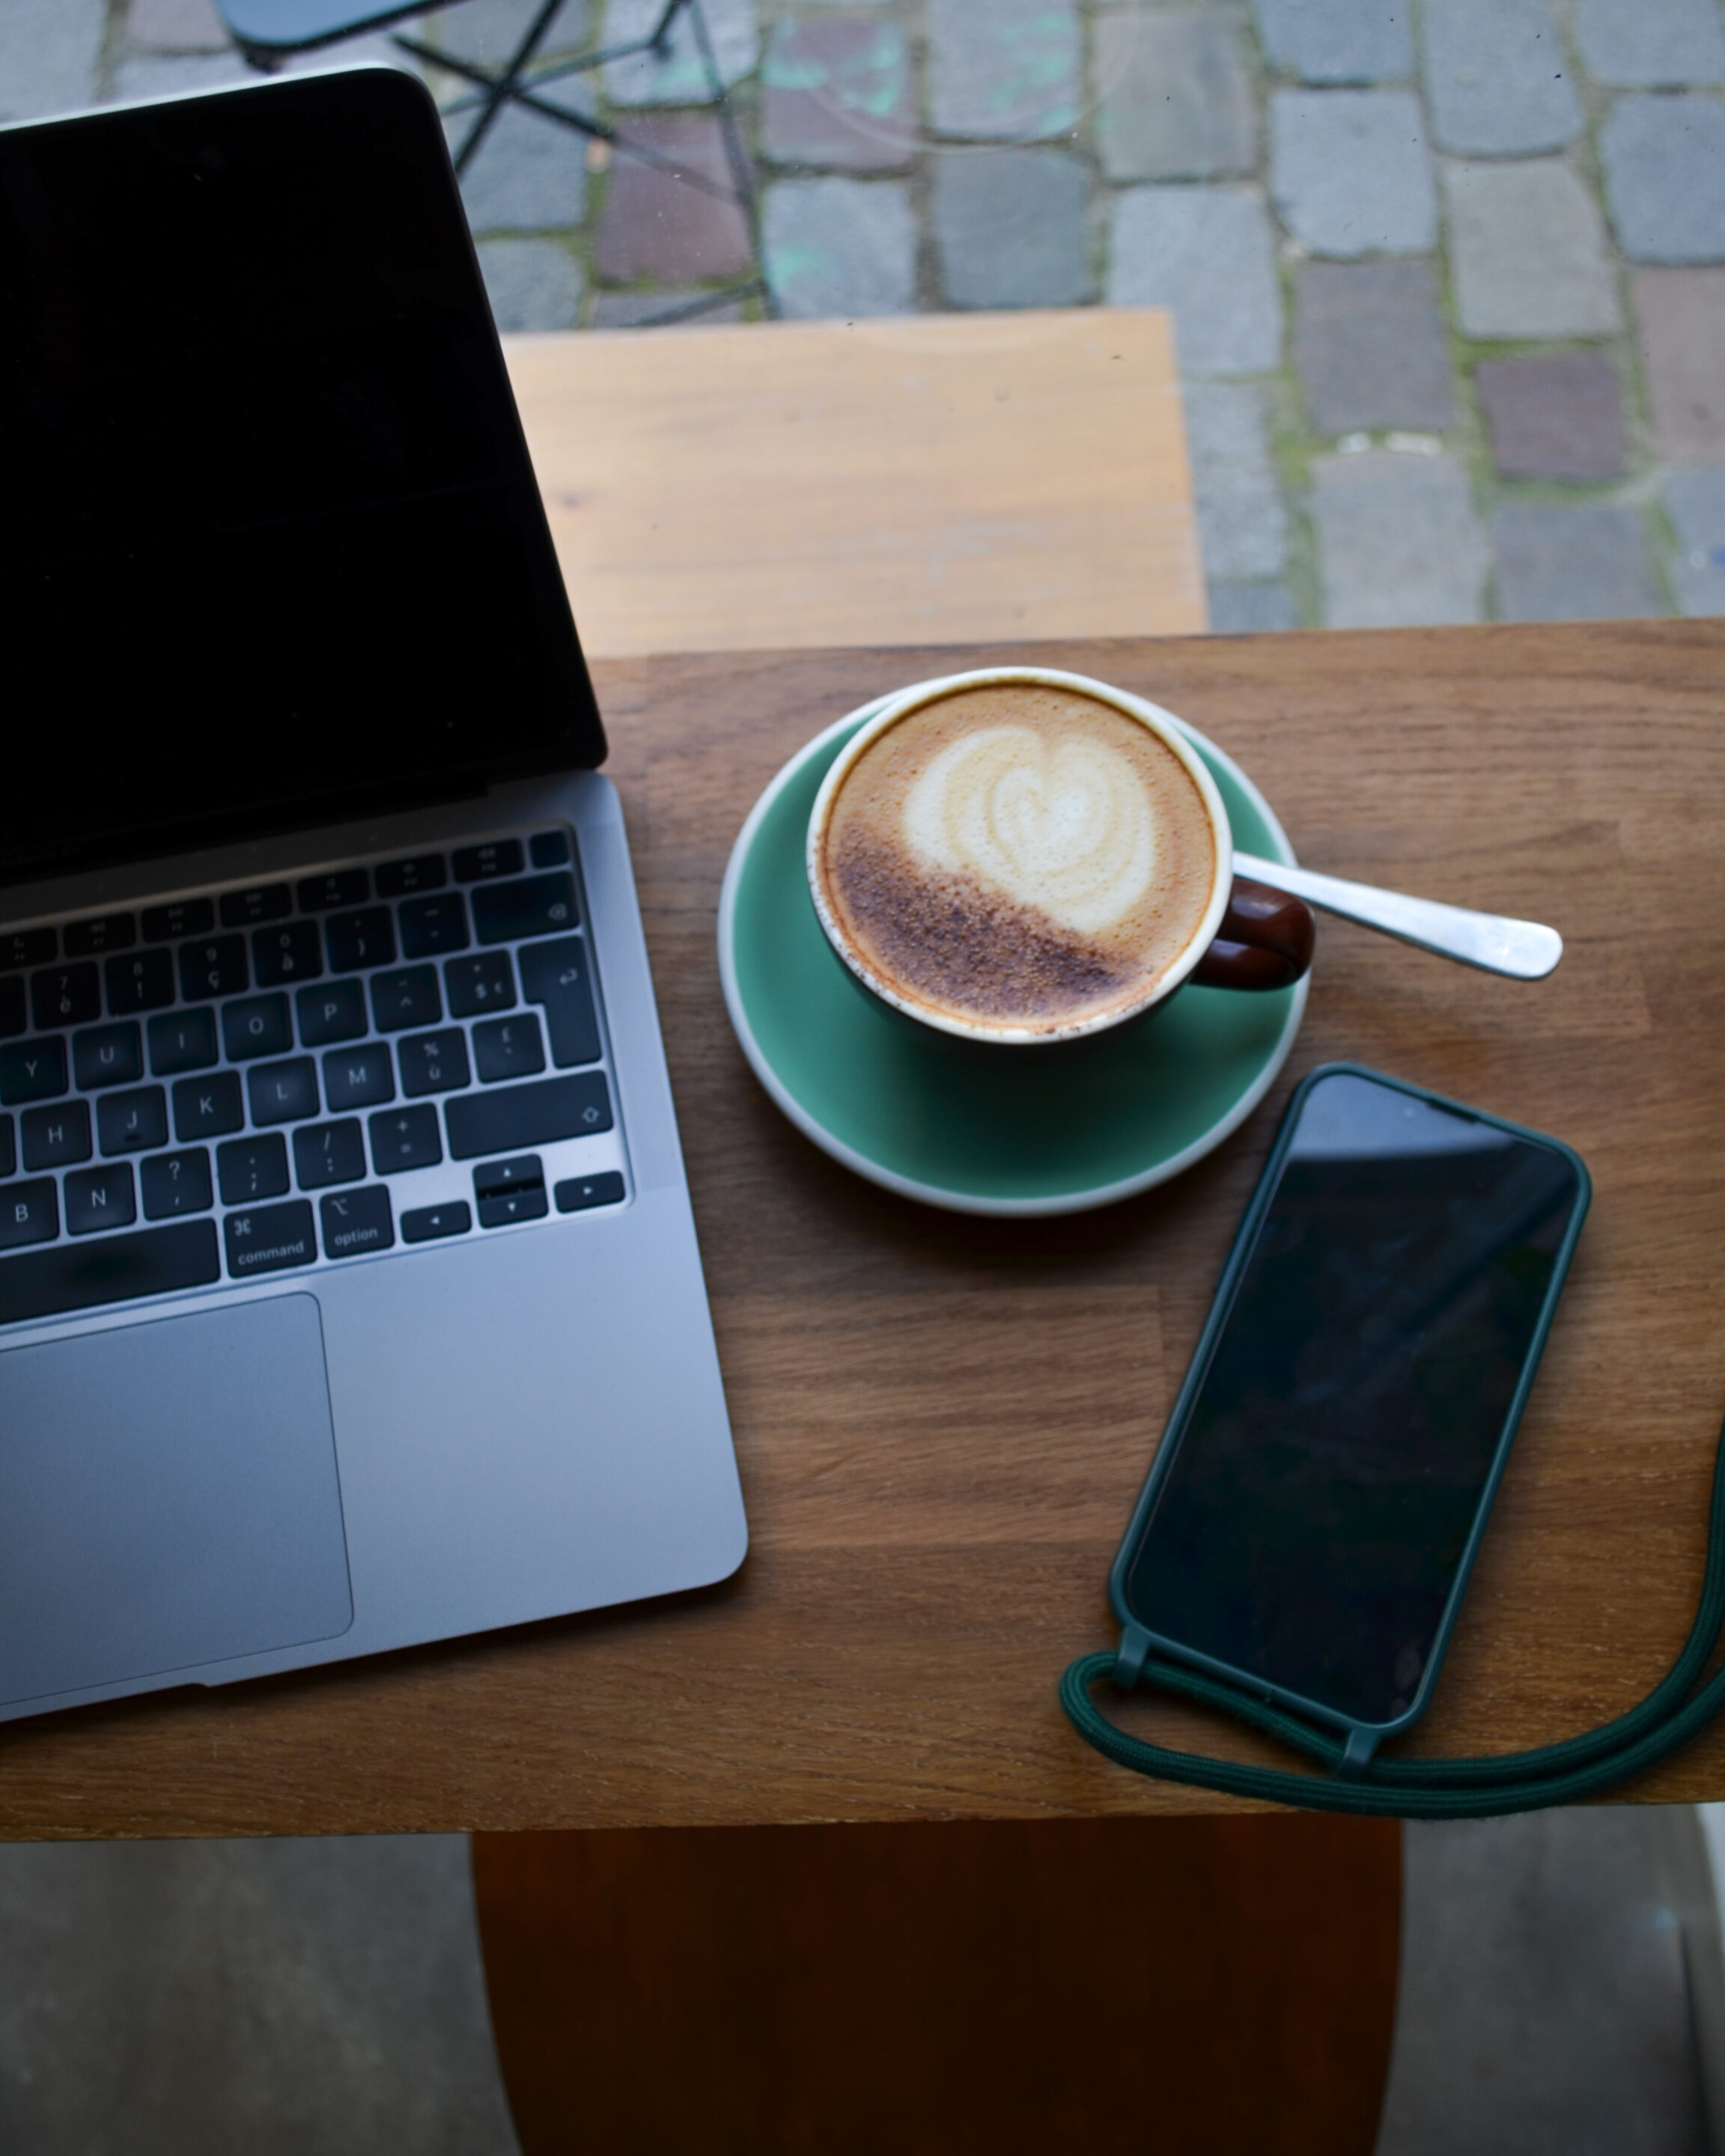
{"points": [[1448, 276]]}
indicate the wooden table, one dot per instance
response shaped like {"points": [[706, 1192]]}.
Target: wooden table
{"points": [[941, 1422]]}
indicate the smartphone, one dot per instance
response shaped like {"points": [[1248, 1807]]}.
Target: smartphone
{"points": [[1319, 1496]]}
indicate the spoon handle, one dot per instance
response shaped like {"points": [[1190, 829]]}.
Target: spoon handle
{"points": [[1524, 949]]}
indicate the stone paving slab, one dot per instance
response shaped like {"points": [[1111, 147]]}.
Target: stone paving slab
{"points": [[1350, 171], [1011, 228], [1665, 177], [1651, 44], [1497, 78], [490, 32], [1172, 98], [1588, 563], [48, 57], [841, 247], [1242, 524], [1208, 253], [1682, 314], [1338, 41], [528, 173], [838, 93], [1249, 609], [629, 311], [1399, 544], [1528, 252], [1370, 347], [179, 26], [532, 284], [1559, 416], [1695, 503], [681, 77], [1003, 69], [655, 226]]}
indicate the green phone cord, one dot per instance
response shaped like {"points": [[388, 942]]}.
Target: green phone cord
{"points": [[1679, 1706]]}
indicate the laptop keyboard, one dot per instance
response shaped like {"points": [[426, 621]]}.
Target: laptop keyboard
{"points": [[281, 1076]]}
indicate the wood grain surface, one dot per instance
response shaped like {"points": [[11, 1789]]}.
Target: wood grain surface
{"points": [[933, 477], [941, 1422]]}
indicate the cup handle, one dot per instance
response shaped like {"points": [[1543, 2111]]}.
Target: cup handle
{"points": [[1265, 941]]}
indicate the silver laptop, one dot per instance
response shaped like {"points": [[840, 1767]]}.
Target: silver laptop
{"points": [[349, 1292]]}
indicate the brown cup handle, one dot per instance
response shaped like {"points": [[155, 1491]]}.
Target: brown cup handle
{"points": [[1265, 941]]}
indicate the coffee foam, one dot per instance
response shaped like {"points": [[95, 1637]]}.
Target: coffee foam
{"points": [[1019, 854]]}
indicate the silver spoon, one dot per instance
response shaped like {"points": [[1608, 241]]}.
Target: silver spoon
{"points": [[1524, 949]]}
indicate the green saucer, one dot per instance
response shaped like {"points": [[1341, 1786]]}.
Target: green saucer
{"points": [[982, 1129]]}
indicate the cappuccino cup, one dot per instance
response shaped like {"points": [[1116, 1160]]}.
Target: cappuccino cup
{"points": [[1023, 856]]}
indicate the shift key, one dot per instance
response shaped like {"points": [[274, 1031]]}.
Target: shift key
{"points": [[554, 975]]}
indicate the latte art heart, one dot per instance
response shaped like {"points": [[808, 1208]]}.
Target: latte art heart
{"points": [[1062, 825]]}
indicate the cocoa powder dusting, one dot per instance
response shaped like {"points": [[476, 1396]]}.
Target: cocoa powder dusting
{"points": [[950, 941]]}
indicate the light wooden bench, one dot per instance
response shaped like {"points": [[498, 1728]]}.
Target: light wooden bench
{"points": [[932, 480]]}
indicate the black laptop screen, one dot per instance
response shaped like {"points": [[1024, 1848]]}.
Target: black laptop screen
{"points": [[271, 546]]}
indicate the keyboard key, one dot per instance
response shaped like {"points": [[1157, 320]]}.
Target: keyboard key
{"points": [[57, 1137], [187, 1041], [548, 850], [30, 1212], [431, 1223], [335, 1012], [521, 1116], [185, 916], [509, 1190], [9, 1146], [259, 1026], [501, 857], [405, 1138], [249, 908], [207, 1107], [268, 1239], [120, 1269], [283, 1092], [358, 1077], [252, 1168], [340, 887], [538, 905], [214, 967], [555, 975], [143, 980], [353, 940], [508, 1048], [175, 1182], [329, 1153], [109, 931], [65, 995], [99, 1197], [480, 985], [581, 1192], [33, 1071], [402, 879], [508, 1206], [132, 1122], [28, 947], [408, 997], [291, 953], [355, 1222], [430, 925], [108, 1056], [12, 1018], [434, 1063]]}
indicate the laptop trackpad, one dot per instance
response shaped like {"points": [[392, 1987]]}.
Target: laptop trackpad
{"points": [[167, 1498]]}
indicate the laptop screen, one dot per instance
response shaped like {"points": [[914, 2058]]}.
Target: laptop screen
{"points": [[272, 549]]}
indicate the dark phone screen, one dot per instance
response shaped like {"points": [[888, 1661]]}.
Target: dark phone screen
{"points": [[272, 541], [1309, 1529]]}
